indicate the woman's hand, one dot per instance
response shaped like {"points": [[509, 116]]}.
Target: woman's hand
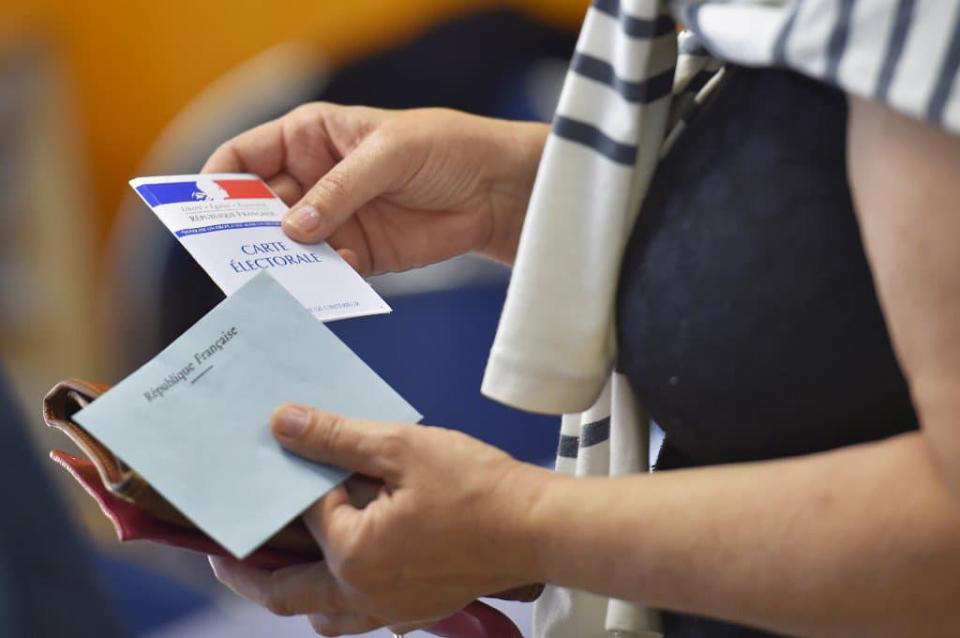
{"points": [[450, 523], [392, 190]]}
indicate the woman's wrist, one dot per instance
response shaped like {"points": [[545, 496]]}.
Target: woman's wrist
{"points": [[521, 526], [514, 162], [565, 521]]}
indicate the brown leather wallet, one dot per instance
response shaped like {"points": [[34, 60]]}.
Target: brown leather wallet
{"points": [[139, 512]]}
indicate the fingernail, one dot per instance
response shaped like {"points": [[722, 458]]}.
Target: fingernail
{"points": [[306, 219], [290, 422]]}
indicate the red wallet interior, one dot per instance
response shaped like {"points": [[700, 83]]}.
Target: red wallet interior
{"points": [[477, 620]]}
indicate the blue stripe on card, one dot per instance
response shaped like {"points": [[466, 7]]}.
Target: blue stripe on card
{"points": [[169, 193], [218, 227]]}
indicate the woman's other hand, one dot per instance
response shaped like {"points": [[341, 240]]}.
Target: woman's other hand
{"points": [[451, 522], [392, 190]]}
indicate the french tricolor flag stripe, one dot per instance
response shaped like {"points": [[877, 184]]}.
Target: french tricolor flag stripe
{"points": [[204, 191], [245, 188]]}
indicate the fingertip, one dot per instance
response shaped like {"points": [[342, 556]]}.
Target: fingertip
{"points": [[304, 224], [224, 567], [289, 421], [291, 231], [215, 564]]}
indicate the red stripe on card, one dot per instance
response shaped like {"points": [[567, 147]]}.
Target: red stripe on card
{"points": [[245, 188]]}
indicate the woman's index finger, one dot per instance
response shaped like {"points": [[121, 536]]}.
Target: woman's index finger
{"points": [[259, 150]]}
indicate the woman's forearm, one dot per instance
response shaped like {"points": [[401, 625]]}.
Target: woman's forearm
{"points": [[860, 541]]}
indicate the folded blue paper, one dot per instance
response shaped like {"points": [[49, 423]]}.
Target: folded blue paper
{"points": [[193, 421]]}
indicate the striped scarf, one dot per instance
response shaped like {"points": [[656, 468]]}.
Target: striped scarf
{"points": [[631, 87]]}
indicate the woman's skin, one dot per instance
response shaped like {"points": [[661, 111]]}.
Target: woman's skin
{"points": [[393, 190], [861, 541]]}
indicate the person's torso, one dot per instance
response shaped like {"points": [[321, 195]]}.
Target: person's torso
{"points": [[748, 323]]}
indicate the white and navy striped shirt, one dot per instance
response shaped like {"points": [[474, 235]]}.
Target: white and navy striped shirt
{"points": [[631, 86]]}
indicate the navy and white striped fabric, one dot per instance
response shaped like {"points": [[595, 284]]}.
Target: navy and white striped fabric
{"points": [[630, 89]]}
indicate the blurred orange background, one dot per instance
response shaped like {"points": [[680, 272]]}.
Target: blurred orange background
{"points": [[93, 85], [88, 88], [94, 93], [133, 65]]}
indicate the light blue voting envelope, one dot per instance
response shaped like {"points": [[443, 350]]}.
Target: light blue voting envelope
{"points": [[194, 420]]}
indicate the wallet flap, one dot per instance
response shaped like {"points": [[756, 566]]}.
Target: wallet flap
{"points": [[131, 522], [61, 403], [69, 397]]}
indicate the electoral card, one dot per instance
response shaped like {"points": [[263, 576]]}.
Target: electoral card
{"points": [[230, 223], [194, 420]]}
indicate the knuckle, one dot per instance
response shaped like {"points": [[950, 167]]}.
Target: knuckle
{"points": [[332, 187], [394, 444], [306, 114], [225, 148], [303, 127], [225, 154], [393, 142], [328, 428], [386, 136]]}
